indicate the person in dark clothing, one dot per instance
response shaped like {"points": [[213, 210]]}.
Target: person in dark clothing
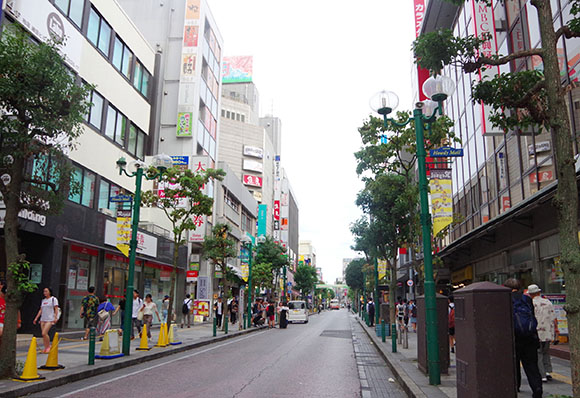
{"points": [[371, 307], [526, 338], [284, 315]]}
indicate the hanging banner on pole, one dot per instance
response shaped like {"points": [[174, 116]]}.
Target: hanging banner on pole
{"points": [[382, 266], [441, 199], [123, 231]]}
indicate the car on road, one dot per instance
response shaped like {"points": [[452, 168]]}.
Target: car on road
{"points": [[334, 304], [298, 312]]}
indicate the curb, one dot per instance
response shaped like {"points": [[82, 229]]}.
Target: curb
{"points": [[70, 378], [406, 382]]}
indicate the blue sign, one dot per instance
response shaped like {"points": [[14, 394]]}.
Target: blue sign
{"points": [[446, 152], [180, 160], [262, 219], [120, 198]]}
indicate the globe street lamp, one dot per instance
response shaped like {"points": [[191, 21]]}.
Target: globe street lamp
{"points": [[160, 164], [436, 88]]}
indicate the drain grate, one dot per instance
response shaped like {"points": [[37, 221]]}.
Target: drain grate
{"points": [[341, 334]]}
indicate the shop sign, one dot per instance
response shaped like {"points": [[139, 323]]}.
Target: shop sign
{"points": [[547, 175], [146, 244], [218, 275], [446, 152], [191, 276], [83, 278], [120, 198], [164, 276], [276, 210], [544, 160], [123, 231], [258, 196], [505, 203], [253, 151], [382, 268], [251, 180], [441, 199], [35, 273], [201, 307], [198, 234], [542, 146], [252, 165], [559, 300], [464, 274], [203, 288]]}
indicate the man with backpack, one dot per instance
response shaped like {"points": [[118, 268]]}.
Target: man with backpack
{"points": [[526, 338], [89, 306], [186, 311]]}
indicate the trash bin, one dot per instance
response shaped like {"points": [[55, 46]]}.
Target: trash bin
{"points": [[442, 334]]}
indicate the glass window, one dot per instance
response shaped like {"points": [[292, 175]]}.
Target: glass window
{"points": [[111, 120], [137, 75], [73, 9], [88, 194], [96, 110], [104, 38], [145, 83], [140, 152], [127, 58], [77, 178], [93, 27], [117, 53], [132, 139], [120, 129], [104, 195]]}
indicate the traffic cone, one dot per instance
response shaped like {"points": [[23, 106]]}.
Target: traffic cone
{"points": [[144, 346], [161, 338], [173, 335], [166, 335], [52, 359], [110, 348], [30, 372]]}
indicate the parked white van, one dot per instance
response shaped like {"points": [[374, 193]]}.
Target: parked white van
{"points": [[298, 311]]}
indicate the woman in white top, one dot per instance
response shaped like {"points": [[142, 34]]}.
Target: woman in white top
{"points": [[149, 307], [48, 315]]}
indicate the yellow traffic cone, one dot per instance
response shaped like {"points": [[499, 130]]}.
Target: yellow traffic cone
{"points": [[161, 339], [173, 335], [165, 335], [52, 359], [110, 348], [144, 346], [30, 372]]}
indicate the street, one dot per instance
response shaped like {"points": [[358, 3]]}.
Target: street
{"points": [[316, 359]]}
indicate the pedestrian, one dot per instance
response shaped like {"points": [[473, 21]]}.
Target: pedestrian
{"points": [[105, 312], [406, 312], [400, 312], [89, 305], [413, 313], [149, 307], [283, 315], [257, 313], [371, 309], [122, 310], [547, 330], [48, 315], [219, 311], [451, 322], [526, 338], [271, 314], [234, 310], [3, 310], [137, 314], [186, 311], [165, 308]]}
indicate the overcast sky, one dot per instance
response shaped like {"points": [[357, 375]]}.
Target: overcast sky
{"points": [[316, 64]]}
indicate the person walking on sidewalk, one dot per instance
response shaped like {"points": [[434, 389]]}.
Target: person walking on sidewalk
{"points": [[547, 330], [219, 311], [271, 314], [413, 313], [165, 308], [89, 305], [186, 311], [48, 315], [451, 322], [137, 305], [371, 310], [234, 310], [105, 312], [149, 307], [526, 338], [401, 308]]}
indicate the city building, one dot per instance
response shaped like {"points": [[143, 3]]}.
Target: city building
{"points": [[77, 249], [504, 184], [307, 253], [188, 50]]}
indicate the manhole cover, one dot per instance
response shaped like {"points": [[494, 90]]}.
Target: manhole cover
{"points": [[341, 334]]}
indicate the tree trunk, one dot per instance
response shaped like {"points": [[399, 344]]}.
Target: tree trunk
{"points": [[392, 291], [566, 200], [173, 284], [13, 295], [225, 298]]}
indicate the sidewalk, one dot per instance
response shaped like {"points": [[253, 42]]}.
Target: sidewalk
{"points": [[73, 354], [403, 364]]}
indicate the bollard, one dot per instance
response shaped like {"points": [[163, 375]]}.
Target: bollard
{"points": [[383, 338], [226, 324], [400, 335], [92, 340], [394, 337], [405, 338], [214, 326], [244, 317]]}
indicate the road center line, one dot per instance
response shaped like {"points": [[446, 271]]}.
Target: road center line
{"points": [[161, 364]]}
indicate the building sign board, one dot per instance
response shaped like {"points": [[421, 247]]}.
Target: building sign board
{"points": [[252, 180], [446, 152], [253, 151], [252, 165]]}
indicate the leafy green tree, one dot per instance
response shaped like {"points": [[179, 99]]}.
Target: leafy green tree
{"points": [[42, 113], [271, 253], [183, 203], [305, 279], [522, 100], [353, 274], [218, 248], [262, 276]]}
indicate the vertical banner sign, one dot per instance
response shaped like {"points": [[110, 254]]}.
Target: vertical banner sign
{"points": [[203, 288], [199, 164], [485, 24], [382, 266], [441, 199], [262, 219], [422, 74], [244, 260], [123, 231], [276, 210]]}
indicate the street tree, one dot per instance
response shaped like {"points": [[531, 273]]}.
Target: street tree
{"points": [[43, 108], [305, 279], [353, 275], [218, 248], [180, 196], [262, 276], [274, 254], [522, 100]]}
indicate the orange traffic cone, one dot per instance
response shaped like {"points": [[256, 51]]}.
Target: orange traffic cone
{"points": [[144, 346], [30, 372], [52, 359], [161, 339]]}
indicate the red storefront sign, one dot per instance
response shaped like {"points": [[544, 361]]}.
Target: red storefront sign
{"points": [[544, 176], [276, 210], [84, 250], [254, 181]]}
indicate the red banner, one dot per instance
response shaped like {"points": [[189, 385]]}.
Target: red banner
{"points": [[276, 210], [422, 74], [254, 181]]}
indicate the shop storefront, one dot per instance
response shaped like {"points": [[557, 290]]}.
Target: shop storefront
{"points": [[81, 273]]}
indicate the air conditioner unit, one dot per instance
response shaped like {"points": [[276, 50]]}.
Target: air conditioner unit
{"points": [[108, 212]]}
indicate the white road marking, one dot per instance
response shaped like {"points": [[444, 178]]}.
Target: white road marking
{"points": [[161, 364]]}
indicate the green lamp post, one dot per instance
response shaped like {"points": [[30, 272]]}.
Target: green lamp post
{"points": [[376, 300], [247, 243], [436, 88], [161, 163]]}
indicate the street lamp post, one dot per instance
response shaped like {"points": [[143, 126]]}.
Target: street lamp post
{"points": [[247, 242], [376, 300], [161, 162], [437, 88]]}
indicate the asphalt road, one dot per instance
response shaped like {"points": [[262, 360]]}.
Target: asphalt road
{"points": [[306, 360]]}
